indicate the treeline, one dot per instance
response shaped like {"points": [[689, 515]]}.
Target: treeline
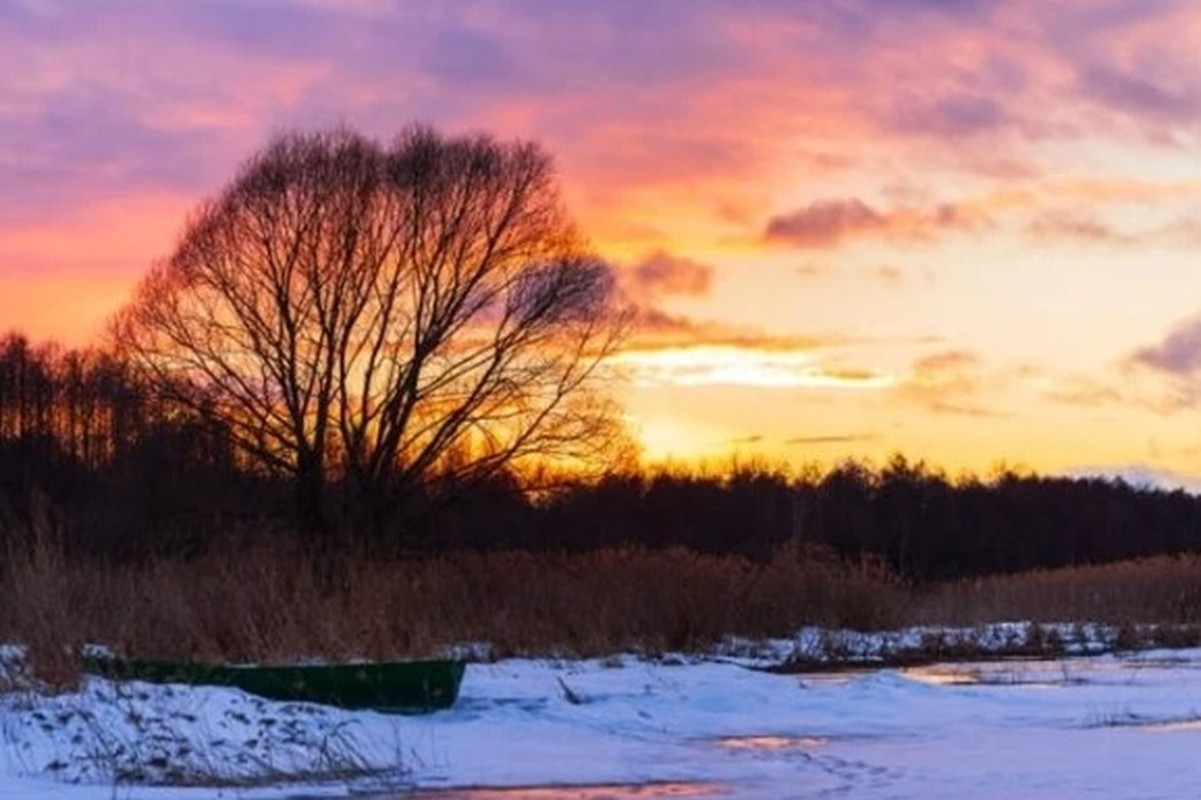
{"points": [[921, 523], [87, 451]]}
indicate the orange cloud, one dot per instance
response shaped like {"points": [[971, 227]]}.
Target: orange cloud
{"points": [[679, 128], [655, 329], [724, 365], [950, 382], [816, 441], [1086, 392]]}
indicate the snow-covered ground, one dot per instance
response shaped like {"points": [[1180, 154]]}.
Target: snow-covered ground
{"points": [[1125, 726]]}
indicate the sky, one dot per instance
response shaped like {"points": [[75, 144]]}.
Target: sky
{"points": [[961, 230]]}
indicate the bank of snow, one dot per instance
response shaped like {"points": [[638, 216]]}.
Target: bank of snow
{"points": [[1107, 726]]}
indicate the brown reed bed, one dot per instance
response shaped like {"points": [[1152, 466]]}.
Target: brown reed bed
{"points": [[1163, 590], [267, 605], [277, 604]]}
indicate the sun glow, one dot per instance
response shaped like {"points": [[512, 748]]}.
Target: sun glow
{"points": [[663, 438], [711, 365], [959, 257]]}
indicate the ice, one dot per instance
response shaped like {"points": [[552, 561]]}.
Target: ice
{"points": [[1101, 726]]}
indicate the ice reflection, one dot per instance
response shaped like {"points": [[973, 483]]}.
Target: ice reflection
{"points": [[771, 742], [832, 678], [943, 675], [575, 792], [1026, 674]]}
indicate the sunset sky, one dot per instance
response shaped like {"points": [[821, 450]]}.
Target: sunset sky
{"points": [[967, 231]]}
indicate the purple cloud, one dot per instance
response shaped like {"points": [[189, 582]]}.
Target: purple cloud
{"points": [[1178, 354], [86, 144], [825, 223], [467, 59], [139, 94], [828, 223], [1137, 95], [956, 115], [662, 274]]}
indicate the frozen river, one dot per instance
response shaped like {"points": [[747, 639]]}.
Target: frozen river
{"points": [[1121, 727], [1108, 726]]}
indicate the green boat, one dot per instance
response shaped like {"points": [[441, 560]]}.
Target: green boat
{"points": [[403, 687]]}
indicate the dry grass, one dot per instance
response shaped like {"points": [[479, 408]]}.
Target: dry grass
{"points": [[260, 605], [1164, 590], [273, 605], [38, 603]]}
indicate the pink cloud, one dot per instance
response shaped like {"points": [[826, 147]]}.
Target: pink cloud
{"points": [[661, 274], [657, 112], [827, 223]]}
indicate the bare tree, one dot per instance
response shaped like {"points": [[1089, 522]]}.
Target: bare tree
{"points": [[376, 318]]}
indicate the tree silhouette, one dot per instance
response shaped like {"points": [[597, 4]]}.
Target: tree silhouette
{"points": [[383, 320]]}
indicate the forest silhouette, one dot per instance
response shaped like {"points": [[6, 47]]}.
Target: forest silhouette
{"points": [[123, 475]]}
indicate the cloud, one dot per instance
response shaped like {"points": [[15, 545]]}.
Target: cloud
{"points": [[122, 154], [951, 382], [1088, 227], [1177, 355], [727, 365], [655, 329], [954, 116], [945, 363], [1136, 95], [1059, 224], [824, 223], [630, 95], [828, 223], [1173, 367], [661, 274], [1138, 192], [680, 120], [816, 441], [677, 350], [1136, 72], [1085, 392], [470, 60], [1047, 209]]}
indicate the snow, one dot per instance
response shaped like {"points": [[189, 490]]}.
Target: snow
{"points": [[1116, 726]]}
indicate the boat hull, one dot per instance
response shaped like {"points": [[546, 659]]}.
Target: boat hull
{"points": [[406, 687]]}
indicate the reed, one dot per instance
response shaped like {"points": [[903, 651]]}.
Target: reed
{"points": [[265, 605]]}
